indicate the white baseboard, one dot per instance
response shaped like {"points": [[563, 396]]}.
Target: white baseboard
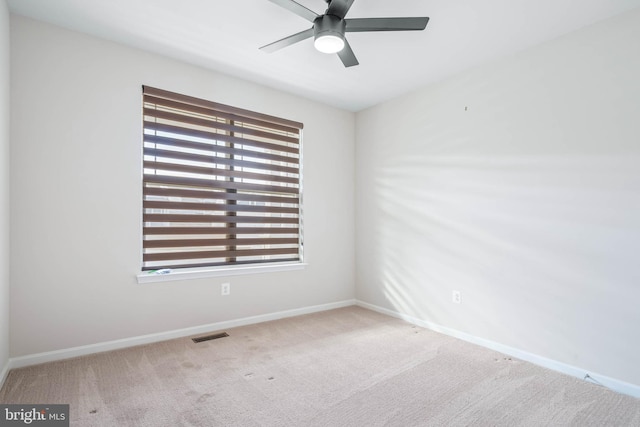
{"points": [[4, 373], [595, 378], [51, 356]]}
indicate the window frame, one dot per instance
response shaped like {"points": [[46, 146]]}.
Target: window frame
{"points": [[245, 137]]}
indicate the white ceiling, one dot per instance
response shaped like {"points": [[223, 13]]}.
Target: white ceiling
{"points": [[225, 36]]}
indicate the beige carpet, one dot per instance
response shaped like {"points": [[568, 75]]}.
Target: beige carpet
{"points": [[346, 367]]}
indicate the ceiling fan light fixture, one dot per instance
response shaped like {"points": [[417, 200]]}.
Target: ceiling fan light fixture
{"points": [[328, 33], [329, 43]]}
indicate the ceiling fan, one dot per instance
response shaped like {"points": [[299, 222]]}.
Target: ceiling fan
{"points": [[329, 29]]}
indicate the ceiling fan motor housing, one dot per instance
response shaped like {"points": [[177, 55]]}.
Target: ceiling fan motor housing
{"points": [[329, 25]]}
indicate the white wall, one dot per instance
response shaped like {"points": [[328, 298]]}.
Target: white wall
{"points": [[527, 201], [4, 186], [76, 205]]}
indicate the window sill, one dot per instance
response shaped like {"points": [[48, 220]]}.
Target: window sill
{"points": [[201, 273]]}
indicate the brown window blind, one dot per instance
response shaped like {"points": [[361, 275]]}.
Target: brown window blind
{"points": [[221, 185]]}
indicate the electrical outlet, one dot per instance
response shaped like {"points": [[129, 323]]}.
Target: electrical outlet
{"points": [[225, 289], [455, 297]]}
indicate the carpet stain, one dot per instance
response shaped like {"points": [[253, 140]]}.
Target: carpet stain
{"points": [[204, 397], [190, 365]]}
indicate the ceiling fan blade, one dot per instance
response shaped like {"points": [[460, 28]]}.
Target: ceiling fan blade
{"points": [[347, 56], [288, 41], [297, 8], [339, 8], [386, 24]]}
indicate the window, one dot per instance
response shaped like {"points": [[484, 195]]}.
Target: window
{"points": [[221, 185]]}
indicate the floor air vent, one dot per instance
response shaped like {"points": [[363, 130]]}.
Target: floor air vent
{"points": [[210, 337]]}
